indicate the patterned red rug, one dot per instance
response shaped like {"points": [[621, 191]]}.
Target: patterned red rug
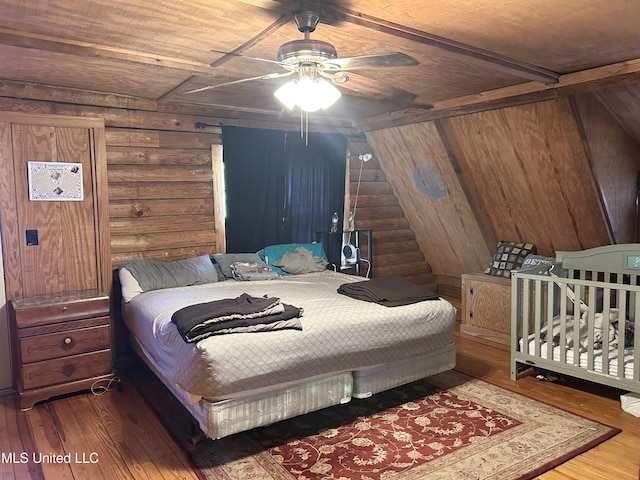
{"points": [[445, 427]]}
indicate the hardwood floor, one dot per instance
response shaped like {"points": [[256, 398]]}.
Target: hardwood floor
{"points": [[117, 436]]}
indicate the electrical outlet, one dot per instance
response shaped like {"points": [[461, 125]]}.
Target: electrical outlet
{"points": [[32, 237]]}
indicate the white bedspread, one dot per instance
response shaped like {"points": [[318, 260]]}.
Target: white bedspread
{"points": [[339, 334]]}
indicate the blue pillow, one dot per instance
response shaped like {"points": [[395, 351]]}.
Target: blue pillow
{"points": [[273, 253]]}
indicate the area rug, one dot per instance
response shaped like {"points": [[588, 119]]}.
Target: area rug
{"points": [[449, 426]]}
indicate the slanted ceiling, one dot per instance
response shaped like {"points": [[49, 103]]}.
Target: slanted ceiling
{"points": [[469, 52]]}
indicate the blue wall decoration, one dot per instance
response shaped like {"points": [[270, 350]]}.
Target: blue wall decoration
{"points": [[430, 180]]}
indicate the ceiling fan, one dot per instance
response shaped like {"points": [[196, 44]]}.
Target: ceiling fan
{"points": [[315, 64]]}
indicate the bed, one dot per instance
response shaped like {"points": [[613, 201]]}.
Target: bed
{"points": [[576, 316], [346, 347]]}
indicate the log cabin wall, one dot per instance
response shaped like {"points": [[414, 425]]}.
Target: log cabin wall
{"points": [[540, 172], [161, 202], [159, 172], [395, 247], [161, 178]]}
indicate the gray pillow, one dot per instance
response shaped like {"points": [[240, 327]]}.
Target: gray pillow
{"points": [[137, 276], [301, 260], [225, 260]]}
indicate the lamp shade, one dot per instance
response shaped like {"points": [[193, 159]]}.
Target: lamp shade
{"points": [[288, 94], [309, 94]]}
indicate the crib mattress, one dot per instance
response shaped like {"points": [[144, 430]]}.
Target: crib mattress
{"points": [[339, 335], [583, 359]]}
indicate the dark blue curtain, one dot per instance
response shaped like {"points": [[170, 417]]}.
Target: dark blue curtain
{"points": [[280, 188], [254, 176]]}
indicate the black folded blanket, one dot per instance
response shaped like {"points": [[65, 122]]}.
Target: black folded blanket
{"points": [[235, 315], [388, 291]]}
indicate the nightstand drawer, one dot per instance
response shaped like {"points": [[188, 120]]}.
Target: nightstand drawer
{"points": [[59, 309], [61, 370], [64, 344]]}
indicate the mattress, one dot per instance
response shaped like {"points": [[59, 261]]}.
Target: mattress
{"points": [[339, 335]]}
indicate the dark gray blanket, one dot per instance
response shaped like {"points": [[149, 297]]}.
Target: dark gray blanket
{"points": [[388, 291], [235, 315]]}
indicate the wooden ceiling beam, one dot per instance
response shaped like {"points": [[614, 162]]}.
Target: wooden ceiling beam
{"points": [[608, 76], [478, 56], [237, 52], [73, 96], [57, 45]]}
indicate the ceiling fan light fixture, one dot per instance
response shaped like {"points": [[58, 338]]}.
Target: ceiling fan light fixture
{"points": [[288, 94], [309, 94], [298, 51]]}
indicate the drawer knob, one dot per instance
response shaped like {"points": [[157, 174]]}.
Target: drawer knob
{"points": [[64, 309], [67, 344]]}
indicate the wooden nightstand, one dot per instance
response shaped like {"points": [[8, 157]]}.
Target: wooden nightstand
{"points": [[61, 344], [486, 307]]}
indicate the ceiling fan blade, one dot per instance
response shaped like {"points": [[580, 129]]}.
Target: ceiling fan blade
{"points": [[242, 80], [239, 55], [395, 59]]}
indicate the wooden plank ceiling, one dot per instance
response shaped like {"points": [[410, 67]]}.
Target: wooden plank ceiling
{"points": [[468, 50]]}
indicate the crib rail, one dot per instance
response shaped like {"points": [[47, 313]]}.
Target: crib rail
{"points": [[580, 323]]}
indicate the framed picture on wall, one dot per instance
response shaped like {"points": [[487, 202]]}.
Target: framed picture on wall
{"points": [[55, 181]]}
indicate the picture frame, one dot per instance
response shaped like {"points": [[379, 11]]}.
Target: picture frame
{"points": [[55, 181]]}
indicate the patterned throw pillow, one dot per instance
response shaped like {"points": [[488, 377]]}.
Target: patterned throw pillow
{"points": [[509, 256]]}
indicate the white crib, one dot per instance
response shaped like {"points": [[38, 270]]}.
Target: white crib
{"points": [[577, 316]]}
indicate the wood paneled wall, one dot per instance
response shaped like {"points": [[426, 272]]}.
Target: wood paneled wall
{"points": [[543, 172], [529, 175], [623, 103], [72, 248], [446, 228], [615, 160]]}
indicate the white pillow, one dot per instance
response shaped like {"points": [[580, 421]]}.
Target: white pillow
{"points": [[129, 285]]}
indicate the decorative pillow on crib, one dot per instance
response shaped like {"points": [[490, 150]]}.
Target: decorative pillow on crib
{"points": [[273, 253], [509, 256], [137, 276], [544, 264], [225, 260], [301, 260]]}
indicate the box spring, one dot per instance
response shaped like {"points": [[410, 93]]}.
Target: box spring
{"points": [[226, 417], [369, 381]]}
